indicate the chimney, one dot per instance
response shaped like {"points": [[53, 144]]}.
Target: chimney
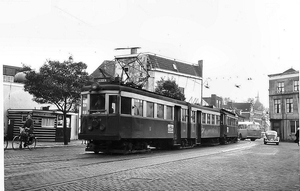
{"points": [[133, 50], [200, 64]]}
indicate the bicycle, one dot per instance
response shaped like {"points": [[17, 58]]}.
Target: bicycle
{"points": [[5, 142], [21, 138]]}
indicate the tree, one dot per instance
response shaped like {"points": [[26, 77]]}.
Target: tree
{"points": [[169, 88], [59, 84]]}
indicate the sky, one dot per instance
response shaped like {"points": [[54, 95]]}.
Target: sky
{"points": [[240, 42]]}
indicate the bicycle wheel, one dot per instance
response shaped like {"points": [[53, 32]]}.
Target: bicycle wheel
{"points": [[5, 143], [33, 144], [16, 143]]}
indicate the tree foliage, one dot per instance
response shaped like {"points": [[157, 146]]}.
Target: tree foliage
{"points": [[57, 83], [169, 88]]}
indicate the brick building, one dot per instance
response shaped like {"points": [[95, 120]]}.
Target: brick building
{"points": [[284, 103]]}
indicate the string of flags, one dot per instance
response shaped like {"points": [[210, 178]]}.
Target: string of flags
{"points": [[237, 85]]}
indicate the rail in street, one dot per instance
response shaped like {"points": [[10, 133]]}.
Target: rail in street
{"points": [[245, 165]]}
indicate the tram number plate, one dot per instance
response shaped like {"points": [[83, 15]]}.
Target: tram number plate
{"points": [[170, 128]]}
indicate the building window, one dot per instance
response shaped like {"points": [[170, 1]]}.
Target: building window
{"points": [[289, 105], [280, 87], [181, 90], [277, 105], [47, 122], [8, 78], [296, 85]]}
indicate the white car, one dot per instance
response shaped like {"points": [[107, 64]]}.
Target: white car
{"points": [[271, 137]]}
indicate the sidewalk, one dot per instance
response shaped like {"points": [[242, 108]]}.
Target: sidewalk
{"points": [[52, 144]]}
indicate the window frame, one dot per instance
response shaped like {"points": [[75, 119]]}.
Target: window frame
{"points": [[289, 105], [277, 106], [296, 86], [280, 87], [148, 103]]}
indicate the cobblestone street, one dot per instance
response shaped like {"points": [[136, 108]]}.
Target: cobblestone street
{"points": [[242, 166]]}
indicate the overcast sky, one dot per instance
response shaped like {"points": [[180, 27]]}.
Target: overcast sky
{"points": [[240, 42]]}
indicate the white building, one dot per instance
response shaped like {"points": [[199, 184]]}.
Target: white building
{"points": [[145, 69]]}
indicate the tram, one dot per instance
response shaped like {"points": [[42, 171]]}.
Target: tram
{"points": [[120, 119]]}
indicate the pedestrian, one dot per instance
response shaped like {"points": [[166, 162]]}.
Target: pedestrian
{"points": [[297, 136], [26, 130]]}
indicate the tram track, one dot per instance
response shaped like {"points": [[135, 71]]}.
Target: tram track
{"points": [[161, 157]]}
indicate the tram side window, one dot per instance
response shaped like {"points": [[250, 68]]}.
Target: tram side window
{"points": [[183, 114], [213, 121], [160, 111], [208, 118], [203, 118], [150, 109], [169, 112], [97, 102], [112, 104], [126, 105], [193, 116], [138, 107], [218, 120]]}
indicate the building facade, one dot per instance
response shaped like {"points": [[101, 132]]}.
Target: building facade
{"points": [[145, 70], [214, 101], [284, 103]]}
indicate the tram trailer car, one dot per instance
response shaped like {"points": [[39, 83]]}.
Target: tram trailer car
{"points": [[228, 126], [122, 119]]}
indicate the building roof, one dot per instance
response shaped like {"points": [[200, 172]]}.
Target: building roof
{"points": [[289, 71], [156, 62], [106, 69], [11, 70], [174, 65], [245, 107]]}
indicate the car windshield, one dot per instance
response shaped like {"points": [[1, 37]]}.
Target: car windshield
{"points": [[271, 133]]}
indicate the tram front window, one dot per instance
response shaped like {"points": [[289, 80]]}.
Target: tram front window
{"points": [[97, 103]]}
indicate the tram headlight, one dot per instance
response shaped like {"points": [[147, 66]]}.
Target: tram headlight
{"points": [[102, 127], [95, 124], [90, 128]]}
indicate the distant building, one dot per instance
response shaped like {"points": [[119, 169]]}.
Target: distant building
{"points": [[145, 69], [284, 103], [245, 110], [9, 72], [214, 100]]}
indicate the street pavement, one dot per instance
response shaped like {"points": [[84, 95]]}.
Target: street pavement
{"points": [[245, 165], [45, 144]]}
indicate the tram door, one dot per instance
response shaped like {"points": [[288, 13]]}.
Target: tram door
{"points": [[177, 124], [198, 127]]}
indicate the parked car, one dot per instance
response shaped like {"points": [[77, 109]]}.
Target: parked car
{"points": [[271, 137]]}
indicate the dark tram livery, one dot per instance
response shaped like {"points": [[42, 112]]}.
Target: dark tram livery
{"points": [[117, 118]]}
